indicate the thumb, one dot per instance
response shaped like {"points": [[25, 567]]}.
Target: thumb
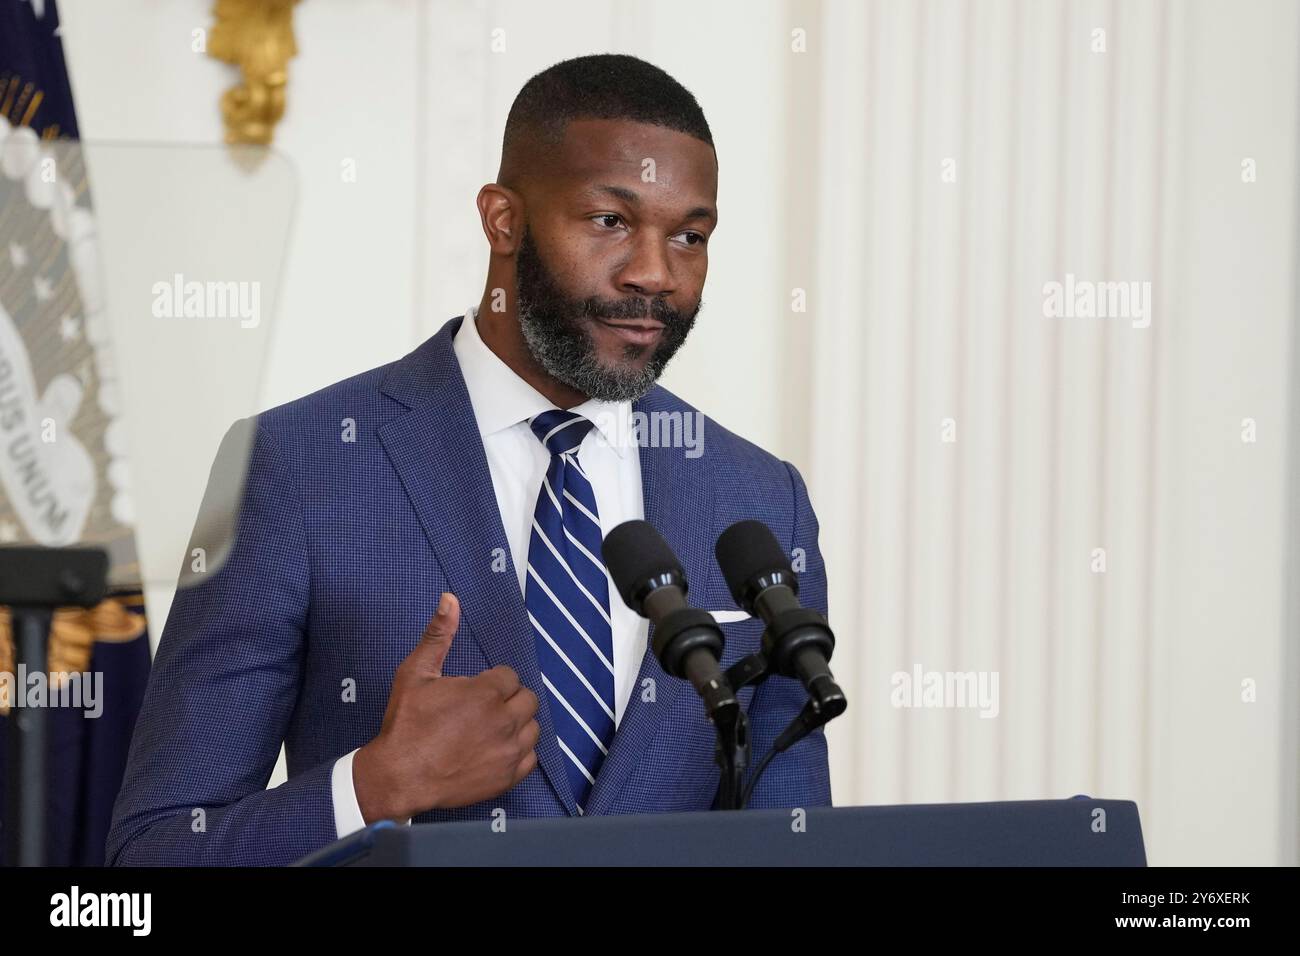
{"points": [[436, 640]]}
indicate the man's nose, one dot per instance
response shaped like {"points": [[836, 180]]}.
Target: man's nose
{"points": [[647, 271]]}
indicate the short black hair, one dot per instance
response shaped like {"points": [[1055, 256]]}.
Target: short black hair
{"points": [[600, 86]]}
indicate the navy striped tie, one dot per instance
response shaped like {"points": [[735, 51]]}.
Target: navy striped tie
{"points": [[567, 597]]}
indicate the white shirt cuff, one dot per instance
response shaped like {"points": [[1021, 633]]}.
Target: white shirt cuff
{"points": [[347, 812]]}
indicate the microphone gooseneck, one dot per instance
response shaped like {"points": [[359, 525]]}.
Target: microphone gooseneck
{"points": [[688, 642], [798, 641]]}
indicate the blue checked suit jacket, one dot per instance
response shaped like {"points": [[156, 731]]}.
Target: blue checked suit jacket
{"points": [[342, 549]]}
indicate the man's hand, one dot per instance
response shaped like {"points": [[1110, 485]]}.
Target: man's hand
{"points": [[445, 741]]}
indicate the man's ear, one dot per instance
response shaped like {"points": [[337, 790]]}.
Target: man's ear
{"points": [[501, 211]]}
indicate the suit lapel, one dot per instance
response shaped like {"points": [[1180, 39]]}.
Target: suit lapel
{"points": [[438, 454], [678, 497]]}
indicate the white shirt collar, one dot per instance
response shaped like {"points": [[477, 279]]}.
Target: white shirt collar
{"points": [[501, 399]]}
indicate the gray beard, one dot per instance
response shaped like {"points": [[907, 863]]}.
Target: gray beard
{"points": [[568, 355]]}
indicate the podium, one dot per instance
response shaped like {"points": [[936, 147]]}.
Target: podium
{"points": [[1080, 831]]}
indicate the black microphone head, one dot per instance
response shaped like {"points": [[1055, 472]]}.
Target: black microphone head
{"points": [[636, 554], [747, 552]]}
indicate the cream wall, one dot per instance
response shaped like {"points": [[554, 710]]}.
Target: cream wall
{"points": [[923, 304]]}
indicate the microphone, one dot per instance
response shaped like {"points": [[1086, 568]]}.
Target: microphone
{"points": [[687, 641], [798, 641]]}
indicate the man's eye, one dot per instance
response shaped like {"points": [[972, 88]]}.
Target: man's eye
{"points": [[605, 216], [699, 239]]}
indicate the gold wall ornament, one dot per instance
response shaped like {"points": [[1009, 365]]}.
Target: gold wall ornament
{"points": [[73, 632], [257, 37]]}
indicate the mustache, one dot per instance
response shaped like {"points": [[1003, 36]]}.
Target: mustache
{"points": [[634, 308]]}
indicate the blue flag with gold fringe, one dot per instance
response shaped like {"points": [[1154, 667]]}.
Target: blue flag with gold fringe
{"points": [[57, 378]]}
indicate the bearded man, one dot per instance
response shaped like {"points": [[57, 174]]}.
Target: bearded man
{"points": [[419, 610]]}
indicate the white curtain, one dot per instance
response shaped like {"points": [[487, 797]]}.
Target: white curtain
{"points": [[975, 461]]}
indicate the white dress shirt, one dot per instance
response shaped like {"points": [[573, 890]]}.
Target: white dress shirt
{"points": [[502, 404]]}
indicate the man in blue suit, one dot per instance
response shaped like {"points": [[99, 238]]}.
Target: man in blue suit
{"points": [[415, 603]]}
